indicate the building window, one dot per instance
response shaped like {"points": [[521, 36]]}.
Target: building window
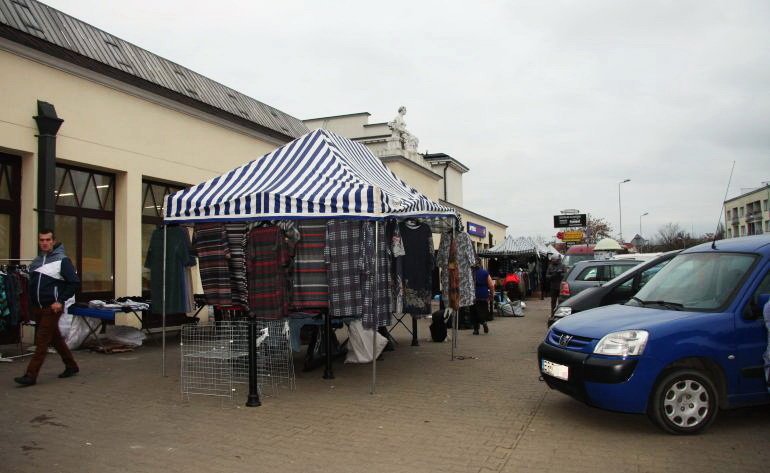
{"points": [[85, 225], [728, 215], [764, 205], [153, 195], [743, 230], [729, 233], [740, 211]]}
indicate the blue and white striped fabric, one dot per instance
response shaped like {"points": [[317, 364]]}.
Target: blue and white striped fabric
{"points": [[320, 174]]}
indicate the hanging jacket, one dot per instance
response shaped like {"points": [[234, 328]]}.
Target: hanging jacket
{"points": [[52, 278]]}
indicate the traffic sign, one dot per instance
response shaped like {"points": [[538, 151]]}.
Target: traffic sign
{"points": [[572, 221]]}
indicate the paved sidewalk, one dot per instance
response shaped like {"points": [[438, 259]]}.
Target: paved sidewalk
{"points": [[486, 412]]}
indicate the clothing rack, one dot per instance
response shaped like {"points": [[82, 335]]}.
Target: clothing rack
{"points": [[21, 325]]}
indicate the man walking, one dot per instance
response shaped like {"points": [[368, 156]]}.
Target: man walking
{"points": [[53, 280]]}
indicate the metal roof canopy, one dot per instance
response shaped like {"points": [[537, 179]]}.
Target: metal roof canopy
{"points": [[46, 29]]}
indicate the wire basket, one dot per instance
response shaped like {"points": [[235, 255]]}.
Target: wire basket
{"points": [[215, 360]]}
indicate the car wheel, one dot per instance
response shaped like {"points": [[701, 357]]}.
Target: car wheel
{"points": [[684, 402]]}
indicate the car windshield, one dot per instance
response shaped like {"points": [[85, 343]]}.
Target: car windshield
{"points": [[695, 281]]}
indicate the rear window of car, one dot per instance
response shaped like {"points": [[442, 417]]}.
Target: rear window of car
{"points": [[590, 273], [571, 260], [616, 270]]}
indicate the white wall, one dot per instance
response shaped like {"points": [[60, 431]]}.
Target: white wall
{"points": [[115, 128]]}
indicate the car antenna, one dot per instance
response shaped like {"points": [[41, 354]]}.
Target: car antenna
{"points": [[722, 208]]}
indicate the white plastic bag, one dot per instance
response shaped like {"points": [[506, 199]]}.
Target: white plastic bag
{"points": [[126, 335], [360, 343], [74, 329]]}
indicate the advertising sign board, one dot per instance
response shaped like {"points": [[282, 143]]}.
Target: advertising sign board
{"points": [[573, 221], [477, 230], [574, 235]]}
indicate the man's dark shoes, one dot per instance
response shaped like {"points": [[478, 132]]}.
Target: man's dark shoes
{"points": [[25, 380], [69, 372], [486, 328], [476, 332]]}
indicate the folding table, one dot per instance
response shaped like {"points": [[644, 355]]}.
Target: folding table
{"points": [[104, 315]]}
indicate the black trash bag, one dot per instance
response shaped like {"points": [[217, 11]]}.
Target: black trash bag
{"points": [[438, 326]]}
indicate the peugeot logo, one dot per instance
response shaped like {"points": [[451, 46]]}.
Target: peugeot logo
{"points": [[564, 340]]}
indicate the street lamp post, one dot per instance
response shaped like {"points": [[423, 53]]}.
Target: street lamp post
{"points": [[640, 226], [620, 211]]}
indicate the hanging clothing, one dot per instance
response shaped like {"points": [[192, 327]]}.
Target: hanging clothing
{"points": [[178, 256], [268, 259], [236, 246], [417, 267], [376, 292], [465, 257], [211, 245], [5, 310], [342, 255], [310, 284], [396, 274]]}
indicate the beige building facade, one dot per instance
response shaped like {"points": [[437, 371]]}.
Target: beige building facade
{"points": [[748, 213], [134, 129], [437, 175]]}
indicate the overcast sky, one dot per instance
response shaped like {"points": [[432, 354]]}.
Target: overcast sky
{"points": [[549, 103]]}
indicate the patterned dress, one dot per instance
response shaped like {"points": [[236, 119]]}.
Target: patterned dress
{"points": [[268, 259], [210, 243], [376, 293], [311, 287], [466, 255], [342, 254], [236, 245]]}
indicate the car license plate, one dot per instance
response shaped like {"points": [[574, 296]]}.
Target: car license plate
{"points": [[556, 370]]}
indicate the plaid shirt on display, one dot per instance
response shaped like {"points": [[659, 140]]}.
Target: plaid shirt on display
{"points": [[344, 267]]}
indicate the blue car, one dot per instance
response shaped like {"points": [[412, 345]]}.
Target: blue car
{"points": [[689, 343]]}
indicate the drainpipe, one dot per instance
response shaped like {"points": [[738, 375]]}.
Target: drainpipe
{"points": [[446, 165], [48, 124]]}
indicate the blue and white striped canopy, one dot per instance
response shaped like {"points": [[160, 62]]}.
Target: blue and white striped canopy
{"points": [[318, 175]]}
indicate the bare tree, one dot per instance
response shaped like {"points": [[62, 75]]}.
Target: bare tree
{"points": [[671, 236], [596, 229]]}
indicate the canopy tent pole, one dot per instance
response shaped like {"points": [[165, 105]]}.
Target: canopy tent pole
{"points": [[456, 314], [376, 304], [163, 301], [327, 340]]}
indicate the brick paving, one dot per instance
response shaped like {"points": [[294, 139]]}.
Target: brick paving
{"points": [[486, 412]]}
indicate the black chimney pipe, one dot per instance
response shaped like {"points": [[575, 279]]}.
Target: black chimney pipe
{"points": [[48, 124]]}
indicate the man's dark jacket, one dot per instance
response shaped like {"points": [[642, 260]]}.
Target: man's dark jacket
{"points": [[52, 278]]}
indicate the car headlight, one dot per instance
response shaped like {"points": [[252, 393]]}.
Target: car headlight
{"points": [[562, 311], [625, 343]]}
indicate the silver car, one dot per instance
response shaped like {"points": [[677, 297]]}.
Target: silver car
{"points": [[592, 273]]}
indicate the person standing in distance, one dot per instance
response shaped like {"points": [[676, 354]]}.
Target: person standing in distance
{"points": [[485, 292], [52, 281], [553, 275]]}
